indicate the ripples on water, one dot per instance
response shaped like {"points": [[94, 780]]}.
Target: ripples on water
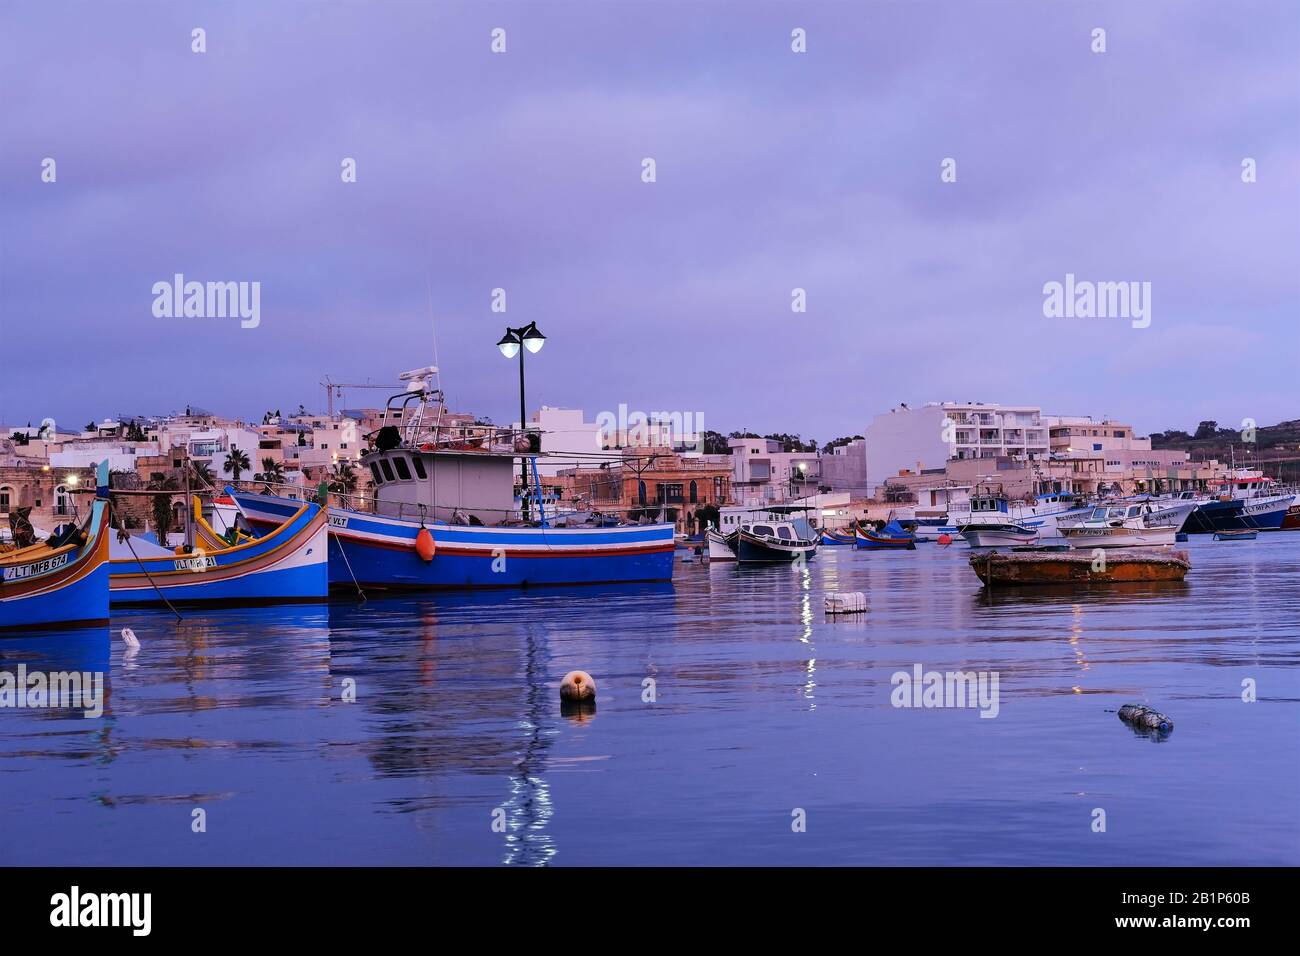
{"points": [[763, 705]]}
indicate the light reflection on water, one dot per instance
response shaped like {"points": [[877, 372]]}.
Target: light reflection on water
{"points": [[763, 704]]}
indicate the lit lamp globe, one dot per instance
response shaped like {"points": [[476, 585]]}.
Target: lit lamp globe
{"points": [[509, 345], [533, 338]]}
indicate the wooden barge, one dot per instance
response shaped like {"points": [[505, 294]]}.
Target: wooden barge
{"points": [[1080, 567]]}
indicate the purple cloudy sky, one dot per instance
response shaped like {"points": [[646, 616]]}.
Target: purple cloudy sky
{"points": [[775, 170]]}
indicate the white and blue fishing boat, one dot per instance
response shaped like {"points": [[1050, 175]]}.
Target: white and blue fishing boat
{"points": [[443, 515], [990, 523], [64, 579], [1250, 501], [289, 563]]}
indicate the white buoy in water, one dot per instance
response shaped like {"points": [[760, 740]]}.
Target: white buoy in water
{"points": [[129, 638], [577, 686], [846, 602]]}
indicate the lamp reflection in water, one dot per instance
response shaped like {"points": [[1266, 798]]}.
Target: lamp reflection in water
{"points": [[529, 809]]}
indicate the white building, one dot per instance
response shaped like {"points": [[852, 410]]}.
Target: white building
{"points": [[762, 472], [915, 439]]}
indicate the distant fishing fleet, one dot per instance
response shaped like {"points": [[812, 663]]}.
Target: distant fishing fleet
{"points": [[444, 513]]}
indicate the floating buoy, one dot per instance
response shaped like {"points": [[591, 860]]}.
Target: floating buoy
{"points": [[945, 539], [1142, 716], [846, 602], [424, 545], [577, 686], [129, 638]]}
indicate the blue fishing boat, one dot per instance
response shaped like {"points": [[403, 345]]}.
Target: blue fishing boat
{"points": [[443, 515], [63, 580], [892, 537], [289, 563], [837, 537]]}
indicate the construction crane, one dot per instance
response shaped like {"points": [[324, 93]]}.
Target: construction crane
{"points": [[335, 390]]}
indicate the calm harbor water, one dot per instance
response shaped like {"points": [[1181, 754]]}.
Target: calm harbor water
{"points": [[763, 706]]}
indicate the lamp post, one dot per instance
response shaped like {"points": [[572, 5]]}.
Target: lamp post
{"points": [[532, 340]]}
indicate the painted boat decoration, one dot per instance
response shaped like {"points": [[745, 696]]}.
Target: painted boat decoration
{"points": [[287, 564], [767, 542], [1077, 567], [64, 579], [892, 537]]}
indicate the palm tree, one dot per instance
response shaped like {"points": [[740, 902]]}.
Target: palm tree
{"points": [[272, 471], [342, 478], [237, 463], [203, 476], [162, 507]]}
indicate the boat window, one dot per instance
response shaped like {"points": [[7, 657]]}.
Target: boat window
{"points": [[374, 473], [403, 469], [762, 529], [388, 469], [423, 475], [784, 533]]}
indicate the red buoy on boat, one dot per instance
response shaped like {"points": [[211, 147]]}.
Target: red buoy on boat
{"points": [[424, 546]]}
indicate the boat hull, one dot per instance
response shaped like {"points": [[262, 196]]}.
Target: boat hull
{"points": [[1001, 568], [719, 550], [377, 552], [873, 542], [754, 550], [287, 564], [1238, 515], [990, 536], [62, 587], [1082, 538]]}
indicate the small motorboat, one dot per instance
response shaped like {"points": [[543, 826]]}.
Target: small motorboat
{"points": [[1117, 527], [771, 541], [62, 580], [718, 547], [1077, 567], [990, 524], [892, 537], [1239, 534]]}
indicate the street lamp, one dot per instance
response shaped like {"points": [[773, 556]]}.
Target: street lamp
{"points": [[532, 339]]}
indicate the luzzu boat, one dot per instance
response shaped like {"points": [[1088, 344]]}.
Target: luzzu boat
{"points": [[766, 542], [440, 512], [64, 579], [830, 537], [287, 564], [892, 537]]}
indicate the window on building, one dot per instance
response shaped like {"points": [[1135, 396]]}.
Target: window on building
{"points": [[640, 492], [61, 500], [6, 498], [695, 495]]}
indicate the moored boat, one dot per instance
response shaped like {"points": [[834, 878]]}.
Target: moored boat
{"points": [[1291, 520], [443, 516], [64, 579], [771, 542], [892, 537], [989, 524], [1237, 534], [836, 538], [719, 548], [1125, 526], [289, 563], [1071, 567]]}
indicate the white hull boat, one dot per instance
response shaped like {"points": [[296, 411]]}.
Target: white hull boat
{"points": [[719, 550]]}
